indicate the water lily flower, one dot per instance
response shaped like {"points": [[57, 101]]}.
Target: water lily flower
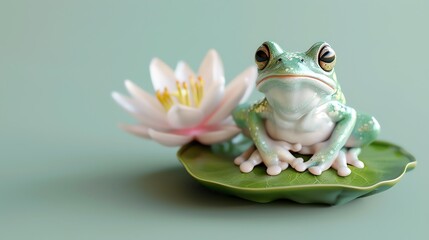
{"points": [[187, 106]]}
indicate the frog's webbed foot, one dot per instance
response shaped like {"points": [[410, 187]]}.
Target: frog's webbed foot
{"points": [[248, 160], [255, 158], [280, 158], [244, 156], [314, 166], [341, 159]]}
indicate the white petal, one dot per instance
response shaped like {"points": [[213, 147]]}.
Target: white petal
{"points": [[183, 72], [212, 97], [136, 111], [143, 96], [180, 116], [162, 75], [124, 102], [169, 139], [233, 95], [220, 135], [211, 69], [137, 130]]}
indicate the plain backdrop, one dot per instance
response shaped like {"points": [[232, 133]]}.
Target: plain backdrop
{"points": [[68, 172]]}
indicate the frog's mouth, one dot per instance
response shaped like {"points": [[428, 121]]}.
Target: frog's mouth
{"points": [[293, 77]]}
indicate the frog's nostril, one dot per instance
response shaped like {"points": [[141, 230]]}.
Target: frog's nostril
{"points": [[302, 60], [279, 60]]}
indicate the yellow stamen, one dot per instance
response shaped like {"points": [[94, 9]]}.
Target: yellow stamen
{"points": [[200, 87], [186, 95], [179, 95], [193, 90], [160, 99]]}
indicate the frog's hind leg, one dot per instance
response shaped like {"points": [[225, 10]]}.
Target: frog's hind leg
{"points": [[365, 131]]}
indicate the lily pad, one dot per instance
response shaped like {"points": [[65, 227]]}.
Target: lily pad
{"points": [[385, 164]]}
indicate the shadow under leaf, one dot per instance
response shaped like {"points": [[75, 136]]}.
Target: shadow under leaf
{"points": [[175, 186]]}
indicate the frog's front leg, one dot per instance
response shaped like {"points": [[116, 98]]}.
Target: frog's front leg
{"points": [[345, 119], [274, 154], [365, 131]]}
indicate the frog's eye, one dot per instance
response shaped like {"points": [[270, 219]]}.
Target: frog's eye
{"points": [[262, 56], [327, 58]]}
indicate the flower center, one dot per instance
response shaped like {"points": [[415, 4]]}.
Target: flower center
{"points": [[186, 95]]}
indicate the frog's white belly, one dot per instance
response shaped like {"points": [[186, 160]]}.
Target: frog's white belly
{"points": [[308, 130]]}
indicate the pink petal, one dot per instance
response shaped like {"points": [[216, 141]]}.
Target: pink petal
{"points": [[147, 101], [136, 110], [212, 97], [233, 95], [137, 130], [180, 116], [225, 133], [162, 75], [211, 69], [169, 139]]}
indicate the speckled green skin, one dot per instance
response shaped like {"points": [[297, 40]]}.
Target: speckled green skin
{"points": [[286, 81]]}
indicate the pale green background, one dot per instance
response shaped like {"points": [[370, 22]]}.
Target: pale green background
{"points": [[67, 171]]}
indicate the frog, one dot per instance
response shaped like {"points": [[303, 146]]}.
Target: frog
{"points": [[303, 112]]}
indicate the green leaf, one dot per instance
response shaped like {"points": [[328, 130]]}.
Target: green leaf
{"points": [[385, 164]]}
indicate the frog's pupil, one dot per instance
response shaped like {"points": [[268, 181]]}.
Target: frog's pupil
{"points": [[327, 57], [261, 56]]}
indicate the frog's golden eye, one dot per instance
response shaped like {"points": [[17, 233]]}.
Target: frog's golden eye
{"points": [[262, 56], [327, 58]]}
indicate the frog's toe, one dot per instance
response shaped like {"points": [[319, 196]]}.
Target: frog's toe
{"points": [[239, 160], [254, 159], [317, 167], [352, 157], [246, 167], [296, 147], [315, 170], [299, 165], [357, 163], [340, 164], [284, 155], [284, 165], [244, 156], [274, 170], [344, 171]]}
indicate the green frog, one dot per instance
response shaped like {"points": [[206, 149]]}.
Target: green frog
{"points": [[304, 112]]}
